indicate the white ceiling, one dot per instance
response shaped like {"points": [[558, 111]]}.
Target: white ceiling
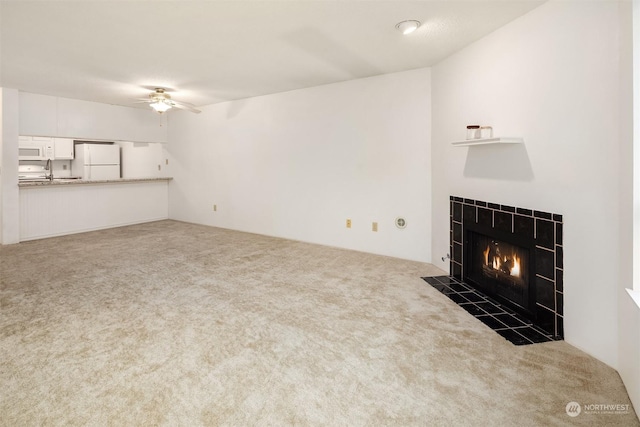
{"points": [[214, 51]]}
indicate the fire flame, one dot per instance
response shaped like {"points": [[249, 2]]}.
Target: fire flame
{"points": [[496, 263], [515, 270], [486, 256]]}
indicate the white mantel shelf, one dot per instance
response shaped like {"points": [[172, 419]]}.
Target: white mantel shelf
{"points": [[487, 141]]}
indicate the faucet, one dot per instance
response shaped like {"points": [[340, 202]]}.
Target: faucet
{"points": [[49, 167]]}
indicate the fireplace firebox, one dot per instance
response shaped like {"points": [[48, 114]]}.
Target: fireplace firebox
{"points": [[500, 268], [513, 255]]}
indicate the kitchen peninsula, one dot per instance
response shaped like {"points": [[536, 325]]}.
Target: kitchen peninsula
{"points": [[68, 206]]}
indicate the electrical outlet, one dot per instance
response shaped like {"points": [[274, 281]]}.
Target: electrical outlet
{"points": [[348, 223], [159, 167], [166, 161], [215, 208], [374, 226]]}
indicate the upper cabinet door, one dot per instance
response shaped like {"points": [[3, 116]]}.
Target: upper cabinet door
{"points": [[53, 116], [63, 148]]}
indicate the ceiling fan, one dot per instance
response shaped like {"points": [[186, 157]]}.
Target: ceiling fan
{"points": [[161, 101]]}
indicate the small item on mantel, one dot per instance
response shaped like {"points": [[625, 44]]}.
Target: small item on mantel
{"points": [[486, 132], [473, 131]]}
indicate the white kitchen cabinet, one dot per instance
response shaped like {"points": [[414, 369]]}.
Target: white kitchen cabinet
{"points": [[41, 139], [63, 148], [64, 117]]}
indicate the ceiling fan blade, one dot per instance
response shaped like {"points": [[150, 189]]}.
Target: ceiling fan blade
{"points": [[185, 106]]}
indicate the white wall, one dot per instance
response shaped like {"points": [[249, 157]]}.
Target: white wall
{"points": [[629, 311], [9, 220], [553, 77], [298, 164], [72, 118], [143, 160]]}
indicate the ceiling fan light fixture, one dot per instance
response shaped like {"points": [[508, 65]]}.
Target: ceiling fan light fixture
{"points": [[407, 27], [160, 106], [161, 101]]}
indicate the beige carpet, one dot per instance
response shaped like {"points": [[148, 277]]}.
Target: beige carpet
{"points": [[177, 324]]}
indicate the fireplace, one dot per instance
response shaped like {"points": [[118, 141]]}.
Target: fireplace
{"points": [[510, 254]]}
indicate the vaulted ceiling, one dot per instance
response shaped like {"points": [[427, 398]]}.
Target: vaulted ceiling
{"points": [[214, 51]]}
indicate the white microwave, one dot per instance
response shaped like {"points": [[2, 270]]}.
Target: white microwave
{"points": [[35, 148]]}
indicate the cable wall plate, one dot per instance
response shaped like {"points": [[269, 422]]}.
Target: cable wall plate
{"points": [[401, 222]]}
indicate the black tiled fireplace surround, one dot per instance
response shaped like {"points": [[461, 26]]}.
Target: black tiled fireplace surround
{"points": [[546, 231]]}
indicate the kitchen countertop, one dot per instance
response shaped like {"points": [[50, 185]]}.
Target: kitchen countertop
{"points": [[63, 181]]}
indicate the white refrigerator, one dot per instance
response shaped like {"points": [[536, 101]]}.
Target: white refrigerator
{"points": [[96, 161]]}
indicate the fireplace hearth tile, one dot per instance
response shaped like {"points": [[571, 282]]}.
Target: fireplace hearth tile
{"points": [[533, 335], [459, 287], [505, 322], [445, 279], [513, 336], [442, 288], [474, 297], [473, 309], [432, 280], [491, 307], [510, 321], [457, 298], [545, 319], [491, 322], [541, 232]]}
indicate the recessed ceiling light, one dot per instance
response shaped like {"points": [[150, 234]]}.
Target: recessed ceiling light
{"points": [[408, 26]]}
